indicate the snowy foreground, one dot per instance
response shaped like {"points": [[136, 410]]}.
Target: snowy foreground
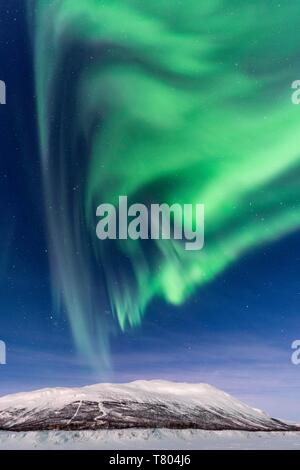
{"points": [[152, 414], [156, 439]]}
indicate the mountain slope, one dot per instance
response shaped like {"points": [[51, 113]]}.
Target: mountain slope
{"points": [[140, 404]]}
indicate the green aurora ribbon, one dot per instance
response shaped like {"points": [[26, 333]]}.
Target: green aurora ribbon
{"points": [[168, 101]]}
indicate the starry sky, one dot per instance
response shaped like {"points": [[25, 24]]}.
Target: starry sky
{"points": [[233, 331]]}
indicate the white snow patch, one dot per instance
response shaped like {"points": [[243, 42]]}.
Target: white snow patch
{"points": [[141, 391]]}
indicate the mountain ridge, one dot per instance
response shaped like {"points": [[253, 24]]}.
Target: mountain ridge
{"points": [[138, 404]]}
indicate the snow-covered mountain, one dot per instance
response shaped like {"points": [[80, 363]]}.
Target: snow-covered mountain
{"points": [[140, 404]]}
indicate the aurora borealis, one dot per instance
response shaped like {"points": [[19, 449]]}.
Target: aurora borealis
{"points": [[185, 102], [170, 102]]}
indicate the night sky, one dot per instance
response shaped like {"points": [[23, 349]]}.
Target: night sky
{"points": [[234, 332]]}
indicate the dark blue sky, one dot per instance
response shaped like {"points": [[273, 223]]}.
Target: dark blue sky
{"points": [[235, 333]]}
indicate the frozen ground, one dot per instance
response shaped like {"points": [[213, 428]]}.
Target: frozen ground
{"points": [[134, 439]]}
